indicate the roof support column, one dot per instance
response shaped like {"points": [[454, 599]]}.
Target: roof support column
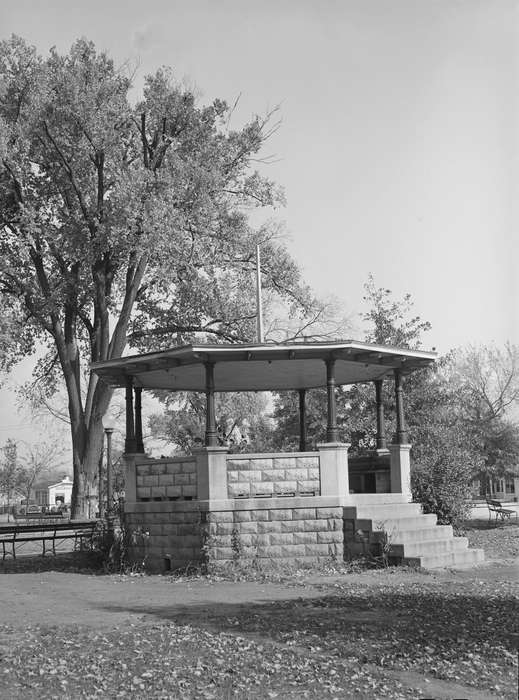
{"points": [[332, 432], [401, 431], [381, 426], [302, 420], [129, 443], [211, 436], [139, 444]]}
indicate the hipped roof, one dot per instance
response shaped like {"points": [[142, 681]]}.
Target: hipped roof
{"points": [[261, 367]]}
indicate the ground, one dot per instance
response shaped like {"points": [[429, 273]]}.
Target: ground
{"points": [[389, 633]]}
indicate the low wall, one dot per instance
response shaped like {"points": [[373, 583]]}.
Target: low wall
{"points": [[166, 480], [254, 475]]}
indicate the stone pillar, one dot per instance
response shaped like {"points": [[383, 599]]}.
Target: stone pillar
{"points": [[130, 445], [381, 426], [139, 444], [302, 420], [333, 467], [130, 478], [211, 470], [332, 432], [401, 431], [211, 436], [400, 469]]}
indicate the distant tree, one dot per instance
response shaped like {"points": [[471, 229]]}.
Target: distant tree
{"points": [[124, 222], [9, 473], [490, 377], [37, 461]]}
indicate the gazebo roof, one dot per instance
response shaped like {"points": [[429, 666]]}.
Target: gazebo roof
{"points": [[260, 367]]}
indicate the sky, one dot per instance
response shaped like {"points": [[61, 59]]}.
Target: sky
{"points": [[398, 143]]}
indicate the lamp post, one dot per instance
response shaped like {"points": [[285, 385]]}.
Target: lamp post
{"points": [[108, 513]]}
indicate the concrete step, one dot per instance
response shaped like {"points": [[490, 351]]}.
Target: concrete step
{"points": [[458, 559], [372, 511], [394, 524], [429, 548], [435, 532]]}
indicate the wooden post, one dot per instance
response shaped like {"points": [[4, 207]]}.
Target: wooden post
{"points": [[332, 432], [211, 436], [129, 443], [302, 420], [401, 431], [381, 426], [139, 444]]}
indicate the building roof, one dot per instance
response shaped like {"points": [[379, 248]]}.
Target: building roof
{"points": [[261, 367]]}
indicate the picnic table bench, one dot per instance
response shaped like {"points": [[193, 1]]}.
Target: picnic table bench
{"points": [[496, 508], [80, 531]]}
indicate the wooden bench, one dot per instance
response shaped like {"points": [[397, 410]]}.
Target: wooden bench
{"points": [[80, 531], [496, 508], [40, 517]]}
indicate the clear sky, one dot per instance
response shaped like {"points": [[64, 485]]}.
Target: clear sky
{"points": [[398, 147]]}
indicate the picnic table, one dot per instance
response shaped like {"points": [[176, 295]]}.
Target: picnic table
{"points": [[48, 533]]}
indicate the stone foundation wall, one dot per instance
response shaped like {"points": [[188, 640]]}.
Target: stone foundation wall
{"points": [[166, 480], [286, 535], [250, 476]]}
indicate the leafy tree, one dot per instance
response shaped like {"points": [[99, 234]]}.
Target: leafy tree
{"points": [[490, 377], [9, 473], [124, 222]]}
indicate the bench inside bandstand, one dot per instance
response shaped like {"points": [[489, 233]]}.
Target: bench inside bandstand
{"points": [[298, 507]]}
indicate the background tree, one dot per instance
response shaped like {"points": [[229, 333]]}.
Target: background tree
{"points": [[9, 473], [124, 222], [38, 461]]}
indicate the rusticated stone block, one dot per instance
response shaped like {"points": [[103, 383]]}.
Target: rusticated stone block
{"points": [[254, 475], [336, 523], [305, 537], [313, 474], [261, 540], [317, 550], [142, 469], [294, 550], [281, 514], [192, 479], [248, 528], [329, 536], [223, 553], [269, 475], [173, 491], [158, 492], [221, 516], [232, 477], [224, 528], [257, 515], [303, 514], [281, 538], [271, 552], [221, 541], [262, 488], [189, 490], [305, 486], [238, 465], [246, 540], [267, 527], [143, 492], [307, 462], [261, 464], [329, 512], [166, 480], [157, 468], [181, 479], [242, 516], [187, 467], [240, 489], [151, 480], [298, 475], [284, 463], [139, 480], [285, 486], [291, 526], [315, 525]]}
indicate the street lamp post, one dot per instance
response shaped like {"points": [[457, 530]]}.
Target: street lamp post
{"points": [[108, 512]]}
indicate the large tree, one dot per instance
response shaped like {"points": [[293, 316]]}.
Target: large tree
{"points": [[124, 221]]}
